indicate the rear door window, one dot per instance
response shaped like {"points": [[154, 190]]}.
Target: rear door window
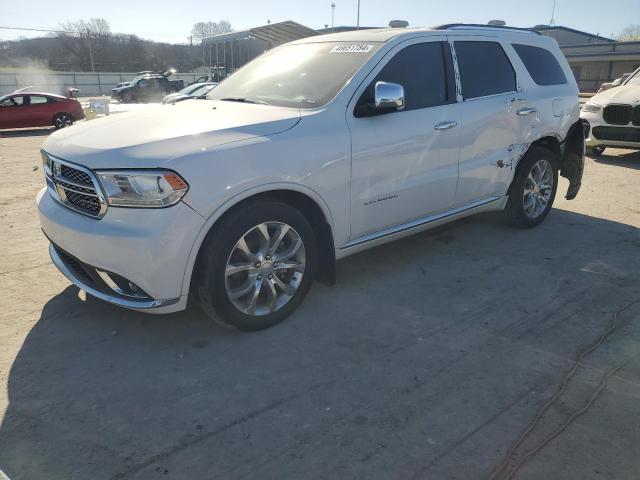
{"points": [[484, 68], [541, 65], [37, 100]]}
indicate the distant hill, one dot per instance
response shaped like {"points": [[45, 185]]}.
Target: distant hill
{"points": [[111, 53]]}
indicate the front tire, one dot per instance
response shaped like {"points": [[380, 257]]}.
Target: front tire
{"points": [[533, 189], [595, 152], [256, 266]]}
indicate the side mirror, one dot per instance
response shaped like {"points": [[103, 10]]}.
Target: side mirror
{"points": [[389, 97]]}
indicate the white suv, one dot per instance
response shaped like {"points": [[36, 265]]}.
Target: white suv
{"points": [[313, 151], [612, 117]]}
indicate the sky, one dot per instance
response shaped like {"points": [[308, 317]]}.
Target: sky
{"points": [[171, 21]]}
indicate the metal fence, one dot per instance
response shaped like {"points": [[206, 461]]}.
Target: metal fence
{"points": [[89, 84]]}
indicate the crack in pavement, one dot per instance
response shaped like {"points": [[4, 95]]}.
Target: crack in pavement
{"points": [[508, 467]]}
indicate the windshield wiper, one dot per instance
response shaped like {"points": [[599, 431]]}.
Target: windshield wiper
{"points": [[243, 100]]}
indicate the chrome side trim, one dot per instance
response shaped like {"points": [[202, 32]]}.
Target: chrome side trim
{"points": [[121, 302], [417, 223]]}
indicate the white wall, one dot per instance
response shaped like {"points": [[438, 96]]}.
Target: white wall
{"points": [[89, 84]]}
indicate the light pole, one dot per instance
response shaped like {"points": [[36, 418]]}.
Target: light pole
{"points": [[358, 18], [93, 68], [333, 11]]}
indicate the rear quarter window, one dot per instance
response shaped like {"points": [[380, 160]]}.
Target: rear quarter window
{"points": [[485, 69], [541, 65]]}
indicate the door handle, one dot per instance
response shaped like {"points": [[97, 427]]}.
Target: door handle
{"points": [[527, 111], [445, 125]]}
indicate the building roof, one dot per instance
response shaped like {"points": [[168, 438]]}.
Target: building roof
{"points": [[342, 28], [550, 28], [274, 33]]}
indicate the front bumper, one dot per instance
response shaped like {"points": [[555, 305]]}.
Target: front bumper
{"points": [[76, 273], [149, 248], [600, 133]]}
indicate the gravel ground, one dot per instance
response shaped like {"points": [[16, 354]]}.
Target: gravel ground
{"points": [[430, 358]]}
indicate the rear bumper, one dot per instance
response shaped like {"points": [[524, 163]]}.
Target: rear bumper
{"points": [[149, 248], [572, 160]]}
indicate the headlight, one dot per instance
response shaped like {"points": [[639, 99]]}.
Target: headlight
{"points": [[591, 107], [142, 188]]}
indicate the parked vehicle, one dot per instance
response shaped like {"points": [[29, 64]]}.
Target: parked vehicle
{"points": [[34, 109], [367, 136], [215, 74], [195, 90], [146, 87], [616, 83], [612, 118]]}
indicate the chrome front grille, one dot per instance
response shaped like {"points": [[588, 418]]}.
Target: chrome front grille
{"points": [[74, 186], [76, 175]]}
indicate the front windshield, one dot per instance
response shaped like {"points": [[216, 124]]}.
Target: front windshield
{"points": [[201, 90], [634, 79], [304, 75]]}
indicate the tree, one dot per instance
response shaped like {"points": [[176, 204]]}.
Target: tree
{"points": [[629, 33], [84, 40], [202, 30]]}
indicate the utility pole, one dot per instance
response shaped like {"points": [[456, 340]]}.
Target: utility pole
{"points": [[552, 22], [333, 12], [358, 19], [204, 62], [93, 68], [217, 77]]}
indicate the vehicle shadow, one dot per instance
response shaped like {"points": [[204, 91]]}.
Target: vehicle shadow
{"points": [[423, 343], [26, 132], [630, 159]]}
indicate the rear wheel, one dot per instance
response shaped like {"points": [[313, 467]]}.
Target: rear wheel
{"points": [[257, 266], [533, 189], [595, 151], [62, 120]]}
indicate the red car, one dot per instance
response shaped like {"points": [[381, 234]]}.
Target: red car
{"points": [[29, 109]]}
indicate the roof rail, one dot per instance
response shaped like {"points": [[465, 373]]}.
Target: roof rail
{"points": [[478, 26]]}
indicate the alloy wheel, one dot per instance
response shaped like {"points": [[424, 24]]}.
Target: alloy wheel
{"points": [[538, 187], [62, 121], [265, 268]]}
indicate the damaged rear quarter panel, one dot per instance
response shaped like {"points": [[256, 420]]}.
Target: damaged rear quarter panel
{"points": [[572, 159]]}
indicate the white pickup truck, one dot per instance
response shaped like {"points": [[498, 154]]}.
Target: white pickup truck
{"points": [[315, 150]]}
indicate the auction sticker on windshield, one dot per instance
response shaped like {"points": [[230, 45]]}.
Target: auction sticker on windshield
{"points": [[351, 49]]}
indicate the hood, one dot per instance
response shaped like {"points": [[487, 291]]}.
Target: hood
{"points": [[627, 94], [154, 134], [176, 97], [171, 95]]}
